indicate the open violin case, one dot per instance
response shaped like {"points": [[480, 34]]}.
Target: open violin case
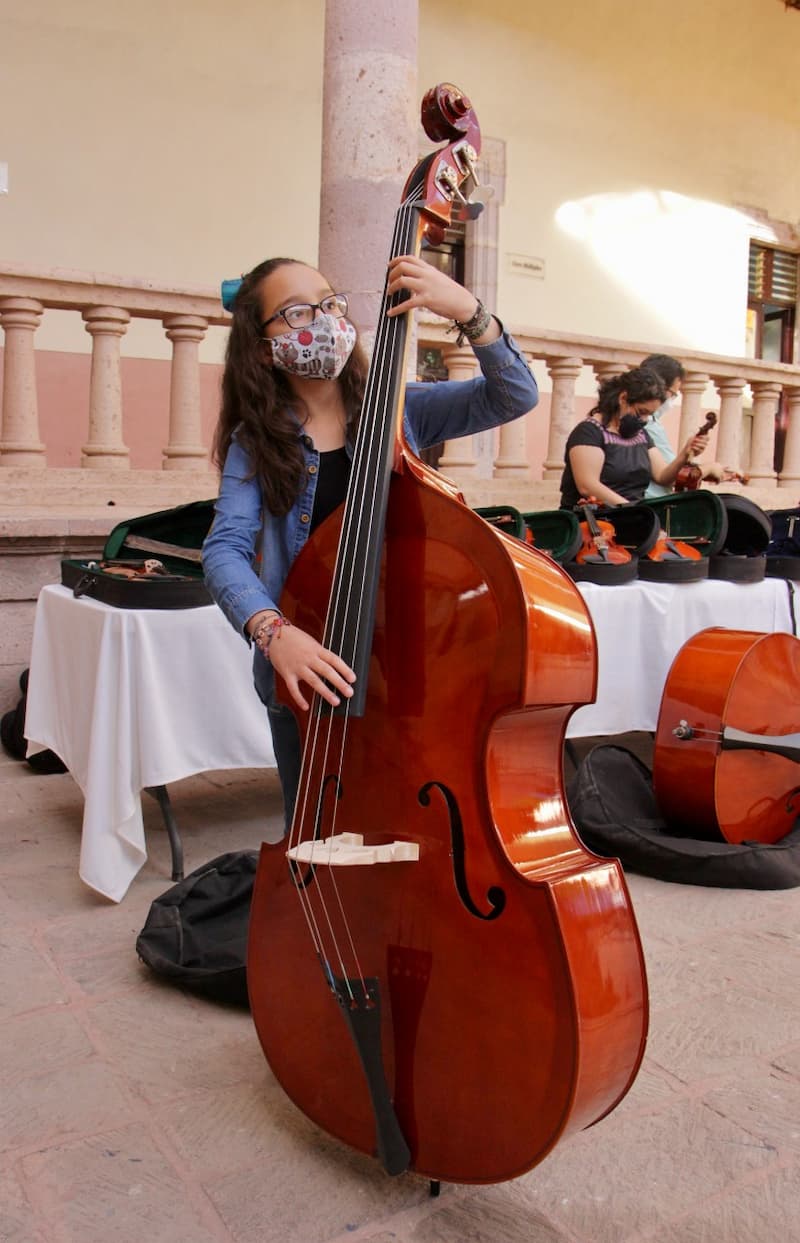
{"points": [[149, 562], [555, 532]]}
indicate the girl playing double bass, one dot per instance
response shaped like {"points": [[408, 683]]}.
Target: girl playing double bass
{"points": [[292, 389]]}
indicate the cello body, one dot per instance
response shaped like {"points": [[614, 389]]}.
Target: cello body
{"points": [[746, 685], [512, 984]]}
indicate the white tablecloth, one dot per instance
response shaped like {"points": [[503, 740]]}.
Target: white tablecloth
{"points": [[134, 698], [641, 626]]}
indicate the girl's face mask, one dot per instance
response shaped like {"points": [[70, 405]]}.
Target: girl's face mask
{"points": [[318, 352]]}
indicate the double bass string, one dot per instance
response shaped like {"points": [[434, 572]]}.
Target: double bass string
{"points": [[360, 528]]}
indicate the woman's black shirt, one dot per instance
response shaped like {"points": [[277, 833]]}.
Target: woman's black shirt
{"points": [[626, 467]]}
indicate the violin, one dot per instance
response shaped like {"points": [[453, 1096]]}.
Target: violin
{"points": [[727, 745], [441, 975], [691, 475], [668, 549], [599, 546]]}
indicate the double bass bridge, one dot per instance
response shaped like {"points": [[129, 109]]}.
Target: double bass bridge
{"points": [[348, 850]]}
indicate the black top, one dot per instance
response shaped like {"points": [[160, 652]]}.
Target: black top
{"points": [[626, 468], [334, 472]]}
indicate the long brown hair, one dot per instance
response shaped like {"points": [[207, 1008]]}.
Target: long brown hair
{"points": [[256, 399]]}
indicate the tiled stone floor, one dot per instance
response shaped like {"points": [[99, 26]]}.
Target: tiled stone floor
{"points": [[133, 1113]]}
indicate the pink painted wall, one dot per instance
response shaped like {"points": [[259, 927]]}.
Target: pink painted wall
{"points": [[63, 396]]}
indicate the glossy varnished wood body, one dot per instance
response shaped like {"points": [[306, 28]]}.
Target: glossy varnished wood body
{"points": [[748, 681], [512, 981]]}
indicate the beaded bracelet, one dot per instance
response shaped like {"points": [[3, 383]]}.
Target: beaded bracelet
{"points": [[473, 328], [269, 628]]}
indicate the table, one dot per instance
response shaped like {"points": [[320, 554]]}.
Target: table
{"points": [[640, 627], [138, 698], [132, 699]]}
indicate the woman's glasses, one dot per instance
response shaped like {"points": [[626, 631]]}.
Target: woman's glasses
{"points": [[302, 314]]}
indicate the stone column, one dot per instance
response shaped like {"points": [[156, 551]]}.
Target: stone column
{"points": [[512, 455], [19, 429], [563, 372], [790, 475], [185, 450], [459, 455], [106, 326], [370, 132], [693, 387], [766, 395], [607, 371], [730, 390]]}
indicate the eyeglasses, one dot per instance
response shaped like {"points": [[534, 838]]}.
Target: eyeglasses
{"points": [[302, 314]]}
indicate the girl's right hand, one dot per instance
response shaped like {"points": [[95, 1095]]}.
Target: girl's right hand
{"points": [[298, 658]]}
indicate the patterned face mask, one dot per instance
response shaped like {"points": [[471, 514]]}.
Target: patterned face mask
{"points": [[318, 352]]}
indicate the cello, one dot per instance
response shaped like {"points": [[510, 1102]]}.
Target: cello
{"points": [[727, 745], [440, 973]]}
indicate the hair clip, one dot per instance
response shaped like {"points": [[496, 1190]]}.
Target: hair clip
{"points": [[229, 292]]}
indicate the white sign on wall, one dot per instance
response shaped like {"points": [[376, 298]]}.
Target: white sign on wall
{"points": [[3, 177], [525, 265]]}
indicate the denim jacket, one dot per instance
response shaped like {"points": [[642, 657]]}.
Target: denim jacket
{"points": [[433, 412]]}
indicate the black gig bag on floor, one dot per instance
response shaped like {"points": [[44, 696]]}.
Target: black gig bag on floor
{"points": [[149, 562], [614, 808], [195, 934]]}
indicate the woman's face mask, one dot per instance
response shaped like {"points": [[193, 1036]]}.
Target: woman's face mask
{"points": [[630, 425], [318, 352]]}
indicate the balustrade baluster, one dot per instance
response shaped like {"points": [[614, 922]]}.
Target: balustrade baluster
{"points": [[459, 456], [693, 387], [790, 472], [563, 373], [105, 447], [730, 389], [766, 396], [512, 450], [19, 430], [185, 450]]}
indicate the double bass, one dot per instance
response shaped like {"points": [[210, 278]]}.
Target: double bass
{"points": [[440, 973], [727, 745]]}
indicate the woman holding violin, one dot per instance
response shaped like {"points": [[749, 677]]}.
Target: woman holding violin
{"points": [[608, 454], [292, 390]]}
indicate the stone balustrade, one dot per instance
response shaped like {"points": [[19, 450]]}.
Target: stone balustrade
{"points": [[565, 355], [108, 304]]}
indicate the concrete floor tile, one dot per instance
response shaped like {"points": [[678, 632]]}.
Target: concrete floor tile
{"points": [[38, 1043], [761, 1211], [721, 1041], [67, 1103], [28, 979], [19, 1222], [117, 1186], [167, 1044], [635, 1170], [256, 1118], [288, 1203], [767, 1108]]}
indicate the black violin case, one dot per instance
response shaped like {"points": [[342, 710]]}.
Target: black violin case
{"points": [[171, 537], [783, 550]]}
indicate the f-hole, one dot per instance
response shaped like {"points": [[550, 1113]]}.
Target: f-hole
{"points": [[495, 896]]}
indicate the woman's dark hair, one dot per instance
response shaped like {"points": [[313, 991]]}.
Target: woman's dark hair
{"points": [[639, 384], [256, 398], [665, 366]]}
